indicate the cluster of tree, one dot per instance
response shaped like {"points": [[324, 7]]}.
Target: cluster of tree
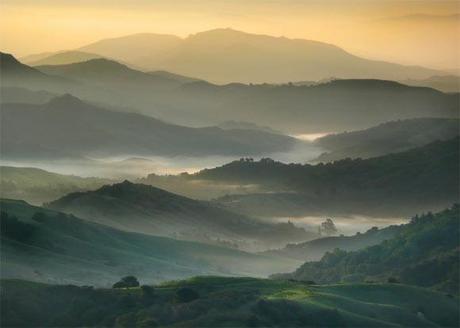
{"points": [[424, 252]]}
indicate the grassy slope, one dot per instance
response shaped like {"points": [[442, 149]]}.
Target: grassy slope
{"points": [[229, 302], [65, 249]]}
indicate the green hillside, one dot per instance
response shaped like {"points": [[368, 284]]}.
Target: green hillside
{"points": [[38, 186], [227, 302], [424, 252], [146, 209], [47, 246]]}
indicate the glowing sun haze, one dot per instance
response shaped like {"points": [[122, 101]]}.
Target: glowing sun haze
{"points": [[410, 32]]}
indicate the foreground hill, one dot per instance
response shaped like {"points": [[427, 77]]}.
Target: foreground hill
{"points": [[37, 186], [43, 245], [420, 179], [146, 209], [226, 55], [224, 302], [424, 252], [391, 137], [67, 126]]}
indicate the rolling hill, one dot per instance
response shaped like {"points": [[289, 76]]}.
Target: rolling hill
{"points": [[315, 249], [420, 179], [224, 302], [37, 186], [390, 137], [42, 245], [146, 209], [226, 55], [69, 127], [424, 252], [331, 106]]}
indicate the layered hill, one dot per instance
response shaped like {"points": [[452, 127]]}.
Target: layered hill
{"points": [[220, 302], [14, 73], [42, 245], [67, 127], [331, 106], [314, 250], [420, 179], [146, 209], [226, 55], [424, 252], [390, 137]]}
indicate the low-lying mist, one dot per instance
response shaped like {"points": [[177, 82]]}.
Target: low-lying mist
{"points": [[132, 166]]}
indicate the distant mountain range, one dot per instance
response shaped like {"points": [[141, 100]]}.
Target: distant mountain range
{"points": [[67, 127], [47, 246], [386, 138], [226, 55], [146, 209], [332, 106]]}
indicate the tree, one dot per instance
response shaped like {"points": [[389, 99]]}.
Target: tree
{"points": [[328, 228], [126, 282]]}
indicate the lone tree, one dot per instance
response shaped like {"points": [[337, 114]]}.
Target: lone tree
{"points": [[125, 282], [328, 228]]}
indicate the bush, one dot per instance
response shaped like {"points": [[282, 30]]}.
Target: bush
{"points": [[126, 282], [393, 280]]}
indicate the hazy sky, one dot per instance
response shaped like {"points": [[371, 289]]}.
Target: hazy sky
{"points": [[411, 32]]}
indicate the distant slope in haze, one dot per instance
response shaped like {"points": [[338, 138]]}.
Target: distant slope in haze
{"points": [[331, 106], [63, 58], [444, 83], [390, 137], [67, 125]]}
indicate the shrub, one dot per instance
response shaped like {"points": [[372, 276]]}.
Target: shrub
{"points": [[126, 282]]}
